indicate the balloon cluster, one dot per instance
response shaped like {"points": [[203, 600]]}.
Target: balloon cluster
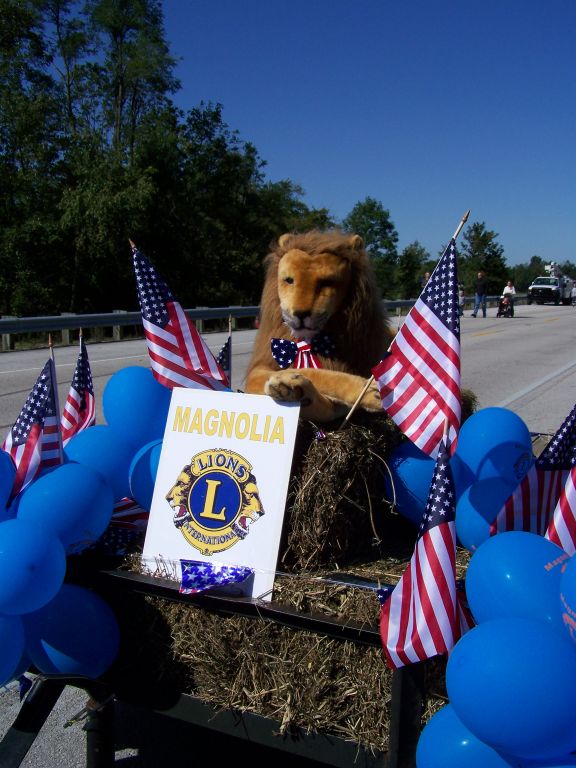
{"points": [[61, 627], [492, 456], [510, 680]]}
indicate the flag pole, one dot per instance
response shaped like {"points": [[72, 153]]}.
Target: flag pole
{"points": [[459, 228], [56, 402]]}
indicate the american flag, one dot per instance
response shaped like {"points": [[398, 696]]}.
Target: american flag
{"points": [[127, 527], [422, 617], [224, 357], [34, 442], [178, 354], [198, 576], [531, 506], [419, 379], [562, 526], [79, 408]]}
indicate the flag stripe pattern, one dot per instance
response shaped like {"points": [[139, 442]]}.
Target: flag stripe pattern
{"points": [[34, 440], [178, 354], [419, 379], [532, 505], [562, 527], [80, 406], [422, 618]]}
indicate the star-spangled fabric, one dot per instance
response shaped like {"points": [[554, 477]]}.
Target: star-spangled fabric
{"points": [[419, 378], [80, 407], [198, 576], [301, 353], [421, 618], [532, 507], [34, 442], [224, 358], [178, 354]]}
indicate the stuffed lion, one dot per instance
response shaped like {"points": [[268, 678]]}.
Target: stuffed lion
{"points": [[322, 326]]}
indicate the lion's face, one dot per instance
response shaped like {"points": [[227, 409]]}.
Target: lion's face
{"points": [[178, 493], [311, 289]]}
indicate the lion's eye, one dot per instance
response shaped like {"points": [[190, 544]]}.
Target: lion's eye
{"points": [[289, 280]]}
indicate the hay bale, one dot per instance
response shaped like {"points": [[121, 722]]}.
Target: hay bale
{"points": [[337, 517]]}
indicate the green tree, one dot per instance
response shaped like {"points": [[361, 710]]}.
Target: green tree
{"points": [[372, 222], [411, 267], [480, 251]]}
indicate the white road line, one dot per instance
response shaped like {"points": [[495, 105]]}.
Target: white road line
{"points": [[526, 391]]}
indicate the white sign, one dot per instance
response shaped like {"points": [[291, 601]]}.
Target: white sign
{"points": [[221, 485]]}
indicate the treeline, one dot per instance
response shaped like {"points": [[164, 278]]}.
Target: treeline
{"points": [[93, 151]]}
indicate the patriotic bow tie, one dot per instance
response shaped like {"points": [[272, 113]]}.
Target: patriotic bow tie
{"points": [[302, 353]]}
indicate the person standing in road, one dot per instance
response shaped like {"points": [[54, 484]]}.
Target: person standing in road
{"points": [[480, 294]]}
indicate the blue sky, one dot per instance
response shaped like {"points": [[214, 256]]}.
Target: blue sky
{"points": [[429, 107]]}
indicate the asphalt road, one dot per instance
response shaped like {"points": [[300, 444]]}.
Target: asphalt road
{"points": [[527, 364]]}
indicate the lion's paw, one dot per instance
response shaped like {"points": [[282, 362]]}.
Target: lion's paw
{"points": [[371, 400], [290, 388]]}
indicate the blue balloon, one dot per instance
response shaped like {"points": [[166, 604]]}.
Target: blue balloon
{"points": [[7, 475], [559, 762], [412, 472], [477, 509], [462, 475], [511, 682], [495, 442], [568, 597], [136, 405], [142, 474], [76, 633], [32, 566], [445, 742], [73, 501], [515, 574], [12, 644], [103, 448]]}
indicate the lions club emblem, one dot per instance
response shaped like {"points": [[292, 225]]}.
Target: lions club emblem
{"points": [[215, 500]]}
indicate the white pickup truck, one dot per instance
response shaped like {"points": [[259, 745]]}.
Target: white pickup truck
{"points": [[551, 289]]}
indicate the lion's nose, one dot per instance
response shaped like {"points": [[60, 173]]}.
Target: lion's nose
{"points": [[301, 316]]}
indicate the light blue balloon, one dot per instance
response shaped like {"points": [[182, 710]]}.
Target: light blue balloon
{"points": [[412, 472], [32, 566], [462, 475], [511, 682], [102, 448], [76, 633], [73, 501], [477, 509], [516, 574], [136, 405], [495, 442], [11, 647], [7, 475], [445, 742], [142, 474]]}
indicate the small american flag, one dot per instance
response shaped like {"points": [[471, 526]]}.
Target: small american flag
{"points": [[531, 506], [224, 357], [419, 379], [127, 527], [198, 576], [178, 354], [34, 442], [422, 617], [562, 527], [79, 408]]}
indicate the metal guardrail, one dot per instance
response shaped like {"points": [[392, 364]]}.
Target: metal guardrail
{"points": [[120, 318]]}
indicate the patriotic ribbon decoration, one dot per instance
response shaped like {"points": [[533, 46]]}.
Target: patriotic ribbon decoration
{"points": [[301, 353], [198, 576]]}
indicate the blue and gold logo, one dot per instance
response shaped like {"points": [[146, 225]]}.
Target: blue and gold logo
{"points": [[215, 499]]}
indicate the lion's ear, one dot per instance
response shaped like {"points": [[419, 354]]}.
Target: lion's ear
{"points": [[283, 240], [356, 242]]}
